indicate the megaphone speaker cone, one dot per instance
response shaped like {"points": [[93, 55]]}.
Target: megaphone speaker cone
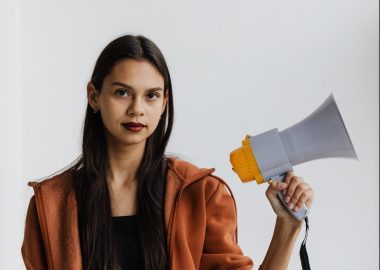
{"points": [[320, 135]]}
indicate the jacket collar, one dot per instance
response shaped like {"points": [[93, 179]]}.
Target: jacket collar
{"points": [[181, 173], [57, 210]]}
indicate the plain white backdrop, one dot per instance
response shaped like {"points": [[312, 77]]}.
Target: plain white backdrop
{"points": [[237, 68]]}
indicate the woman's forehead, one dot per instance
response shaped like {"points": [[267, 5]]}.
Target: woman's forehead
{"points": [[136, 72]]}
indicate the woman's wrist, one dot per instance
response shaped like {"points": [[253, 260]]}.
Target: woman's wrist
{"points": [[280, 249], [289, 224]]}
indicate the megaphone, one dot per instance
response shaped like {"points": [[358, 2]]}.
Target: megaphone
{"points": [[270, 155]]}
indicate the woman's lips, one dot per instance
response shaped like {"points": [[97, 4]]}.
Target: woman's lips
{"points": [[133, 128], [134, 124]]}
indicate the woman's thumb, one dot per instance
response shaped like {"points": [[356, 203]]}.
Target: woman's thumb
{"points": [[274, 187]]}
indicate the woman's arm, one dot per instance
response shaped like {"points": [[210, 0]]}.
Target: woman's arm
{"points": [[221, 250], [281, 246], [287, 228]]}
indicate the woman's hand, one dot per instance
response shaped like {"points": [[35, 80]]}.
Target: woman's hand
{"points": [[296, 193], [287, 228]]}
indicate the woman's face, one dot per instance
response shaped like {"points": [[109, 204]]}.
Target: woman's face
{"points": [[132, 92]]}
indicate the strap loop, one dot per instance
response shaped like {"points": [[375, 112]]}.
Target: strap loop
{"points": [[303, 252]]}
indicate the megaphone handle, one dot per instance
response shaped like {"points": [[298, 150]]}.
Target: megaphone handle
{"points": [[300, 213]]}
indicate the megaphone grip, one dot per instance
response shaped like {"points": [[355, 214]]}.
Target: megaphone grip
{"points": [[300, 213]]}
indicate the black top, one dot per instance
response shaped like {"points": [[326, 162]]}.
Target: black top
{"points": [[127, 241]]}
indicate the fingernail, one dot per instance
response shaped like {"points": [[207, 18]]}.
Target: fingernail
{"points": [[291, 205], [281, 185], [296, 208], [287, 199]]}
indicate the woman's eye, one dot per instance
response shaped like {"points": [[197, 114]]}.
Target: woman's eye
{"points": [[153, 95], [125, 93], [122, 92]]}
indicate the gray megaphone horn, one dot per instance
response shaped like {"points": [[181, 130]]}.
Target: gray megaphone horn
{"points": [[270, 155]]}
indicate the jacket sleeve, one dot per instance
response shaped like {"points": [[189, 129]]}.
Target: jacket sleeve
{"points": [[32, 249], [221, 250]]}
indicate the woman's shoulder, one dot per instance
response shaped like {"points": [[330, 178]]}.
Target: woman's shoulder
{"points": [[190, 173], [186, 170], [58, 182]]}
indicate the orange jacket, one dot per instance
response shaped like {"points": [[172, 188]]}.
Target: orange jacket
{"points": [[200, 218]]}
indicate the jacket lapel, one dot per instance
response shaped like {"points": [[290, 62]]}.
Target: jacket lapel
{"points": [[57, 212]]}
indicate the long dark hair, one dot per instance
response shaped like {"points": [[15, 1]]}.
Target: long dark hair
{"points": [[94, 206]]}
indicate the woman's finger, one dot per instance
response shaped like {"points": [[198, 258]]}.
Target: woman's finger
{"points": [[288, 176], [275, 187], [292, 185], [298, 192], [306, 198]]}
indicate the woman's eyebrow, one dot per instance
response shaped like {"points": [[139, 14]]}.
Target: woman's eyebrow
{"points": [[130, 87]]}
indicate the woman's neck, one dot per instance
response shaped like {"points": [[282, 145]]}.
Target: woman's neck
{"points": [[123, 163]]}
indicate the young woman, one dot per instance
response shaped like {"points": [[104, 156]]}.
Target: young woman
{"points": [[125, 204]]}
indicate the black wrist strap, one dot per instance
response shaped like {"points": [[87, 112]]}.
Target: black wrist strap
{"points": [[303, 252]]}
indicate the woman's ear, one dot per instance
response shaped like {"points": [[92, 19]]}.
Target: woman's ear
{"points": [[166, 98], [92, 96]]}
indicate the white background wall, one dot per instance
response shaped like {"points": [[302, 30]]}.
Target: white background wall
{"points": [[238, 68]]}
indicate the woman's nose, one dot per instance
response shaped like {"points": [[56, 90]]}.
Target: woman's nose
{"points": [[136, 108]]}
